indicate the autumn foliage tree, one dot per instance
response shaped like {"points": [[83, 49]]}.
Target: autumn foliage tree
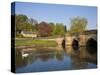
{"points": [[44, 29]]}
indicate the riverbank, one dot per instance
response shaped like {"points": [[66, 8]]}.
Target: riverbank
{"points": [[34, 42]]}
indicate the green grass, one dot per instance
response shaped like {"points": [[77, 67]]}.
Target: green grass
{"points": [[30, 42]]}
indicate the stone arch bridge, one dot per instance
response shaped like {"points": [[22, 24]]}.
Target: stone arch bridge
{"points": [[83, 38]]}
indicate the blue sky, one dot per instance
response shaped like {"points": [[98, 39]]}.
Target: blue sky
{"points": [[58, 13]]}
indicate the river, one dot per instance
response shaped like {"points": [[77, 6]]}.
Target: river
{"points": [[54, 59]]}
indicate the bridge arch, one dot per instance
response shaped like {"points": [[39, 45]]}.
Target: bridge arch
{"points": [[75, 42], [91, 42], [63, 43], [91, 46]]}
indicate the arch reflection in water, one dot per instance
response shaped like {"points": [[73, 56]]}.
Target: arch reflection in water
{"points": [[92, 46], [81, 58]]}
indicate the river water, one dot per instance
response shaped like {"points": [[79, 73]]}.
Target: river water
{"points": [[55, 58]]}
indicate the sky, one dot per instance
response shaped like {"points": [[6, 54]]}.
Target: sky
{"points": [[57, 13]]}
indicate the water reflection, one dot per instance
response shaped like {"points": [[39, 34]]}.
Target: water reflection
{"points": [[54, 58], [59, 56], [82, 57]]}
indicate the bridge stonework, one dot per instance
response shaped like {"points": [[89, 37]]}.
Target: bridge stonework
{"points": [[59, 40], [82, 37]]}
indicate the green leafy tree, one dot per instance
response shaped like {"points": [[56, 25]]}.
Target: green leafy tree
{"points": [[60, 29], [78, 24], [34, 24], [53, 26], [20, 21], [23, 23]]}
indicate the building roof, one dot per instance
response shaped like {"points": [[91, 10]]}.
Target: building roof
{"points": [[29, 32]]}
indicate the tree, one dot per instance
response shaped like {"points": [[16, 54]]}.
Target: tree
{"points": [[78, 24], [58, 29], [23, 23], [44, 29], [20, 21], [34, 24], [53, 26], [65, 28]]}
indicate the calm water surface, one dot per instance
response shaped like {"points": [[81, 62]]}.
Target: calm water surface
{"points": [[55, 58]]}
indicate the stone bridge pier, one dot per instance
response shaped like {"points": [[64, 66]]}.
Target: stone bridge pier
{"points": [[85, 38], [60, 41]]}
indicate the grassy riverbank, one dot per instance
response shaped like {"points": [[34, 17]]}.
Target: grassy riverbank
{"points": [[34, 42]]}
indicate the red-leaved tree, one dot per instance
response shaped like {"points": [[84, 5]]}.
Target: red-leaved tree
{"points": [[44, 29]]}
